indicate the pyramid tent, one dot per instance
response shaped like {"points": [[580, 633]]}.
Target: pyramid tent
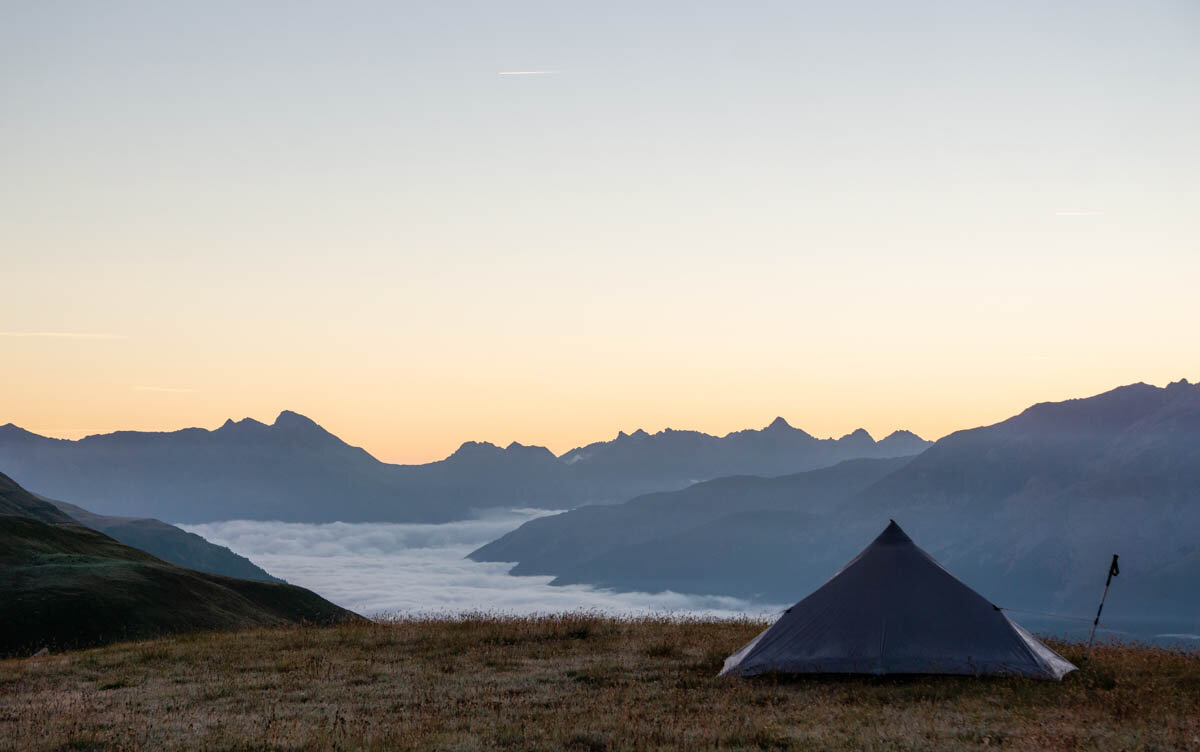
{"points": [[894, 610]]}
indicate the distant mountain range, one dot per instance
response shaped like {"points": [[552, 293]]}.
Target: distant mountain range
{"points": [[1028, 511], [294, 470], [638, 463], [63, 585]]}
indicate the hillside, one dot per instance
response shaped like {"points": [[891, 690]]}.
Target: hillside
{"points": [[295, 471], [63, 585], [1028, 511], [168, 543], [559, 543], [566, 682]]}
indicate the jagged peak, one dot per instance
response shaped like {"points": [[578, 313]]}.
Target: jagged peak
{"points": [[902, 433], [779, 424], [475, 446], [243, 423], [858, 434], [639, 434]]}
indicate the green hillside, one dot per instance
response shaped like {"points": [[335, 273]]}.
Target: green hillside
{"points": [[66, 586], [168, 543]]}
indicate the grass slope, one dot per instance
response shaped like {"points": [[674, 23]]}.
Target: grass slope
{"points": [[63, 585], [66, 586], [168, 543], [569, 682]]}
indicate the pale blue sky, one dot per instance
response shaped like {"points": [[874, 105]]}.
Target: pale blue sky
{"points": [[920, 214]]}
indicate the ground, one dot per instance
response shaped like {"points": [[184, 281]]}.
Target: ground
{"points": [[571, 682]]}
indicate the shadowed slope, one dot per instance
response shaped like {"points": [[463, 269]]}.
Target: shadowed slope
{"points": [[63, 585], [556, 544], [168, 543]]}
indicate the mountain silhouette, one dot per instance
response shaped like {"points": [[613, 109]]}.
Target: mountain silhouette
{"points": [[639, 463], [294, 470], [559, 543], [1029, 511]]}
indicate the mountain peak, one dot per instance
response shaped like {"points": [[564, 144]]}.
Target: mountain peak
{"points": [[244, 423], [475, 449], [14, 429], [778, 424], [289, 419], [639, 434], [858, 435]]}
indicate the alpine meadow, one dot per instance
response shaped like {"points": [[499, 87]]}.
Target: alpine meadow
{"points": [[628, 376]]}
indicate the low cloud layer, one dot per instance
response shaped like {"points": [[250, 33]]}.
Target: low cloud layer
{"points": [[387, 568]]}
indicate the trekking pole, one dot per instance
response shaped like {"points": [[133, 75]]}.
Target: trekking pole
{"points": [[1113, 571]]}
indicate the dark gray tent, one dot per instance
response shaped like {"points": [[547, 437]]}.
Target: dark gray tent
{"points": [[894, 610]]}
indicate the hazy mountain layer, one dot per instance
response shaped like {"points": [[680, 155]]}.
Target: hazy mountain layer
{"points": [[638, 463], [168, 543], [557, 544], [1028, 511], [294, 470], [63, 585]]}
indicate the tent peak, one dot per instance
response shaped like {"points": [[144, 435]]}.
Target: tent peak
{"points": [[893, 534]]}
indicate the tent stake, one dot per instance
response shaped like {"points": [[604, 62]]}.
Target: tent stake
{"points": [[1113, 571]]}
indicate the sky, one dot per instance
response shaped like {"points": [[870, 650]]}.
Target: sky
{"points": [[425, 223]]}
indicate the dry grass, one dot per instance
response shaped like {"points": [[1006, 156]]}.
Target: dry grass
{"points": [[571, 682]]}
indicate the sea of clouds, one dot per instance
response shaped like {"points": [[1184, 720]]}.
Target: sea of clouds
{"points": [[382, 569]]}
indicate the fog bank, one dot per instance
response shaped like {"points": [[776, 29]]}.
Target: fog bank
{"points": [[393, 568]]}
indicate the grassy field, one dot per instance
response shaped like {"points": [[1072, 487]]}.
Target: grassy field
{"points": [[572, 682]]}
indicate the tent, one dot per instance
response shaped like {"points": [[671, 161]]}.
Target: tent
{"points": [[894, 610]]}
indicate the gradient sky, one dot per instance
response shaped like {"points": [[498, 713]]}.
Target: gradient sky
{"points": [[701, 215]]}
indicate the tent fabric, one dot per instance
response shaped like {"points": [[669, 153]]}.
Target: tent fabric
{"points": [[894, 610]]}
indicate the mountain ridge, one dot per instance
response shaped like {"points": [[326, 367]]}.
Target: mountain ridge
{"points": [[295, 470], [1029, 510]]}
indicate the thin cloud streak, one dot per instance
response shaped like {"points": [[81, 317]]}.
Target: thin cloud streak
{"points": [[65, 335], [1079, 213], [527, 73], [166, 389]]}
